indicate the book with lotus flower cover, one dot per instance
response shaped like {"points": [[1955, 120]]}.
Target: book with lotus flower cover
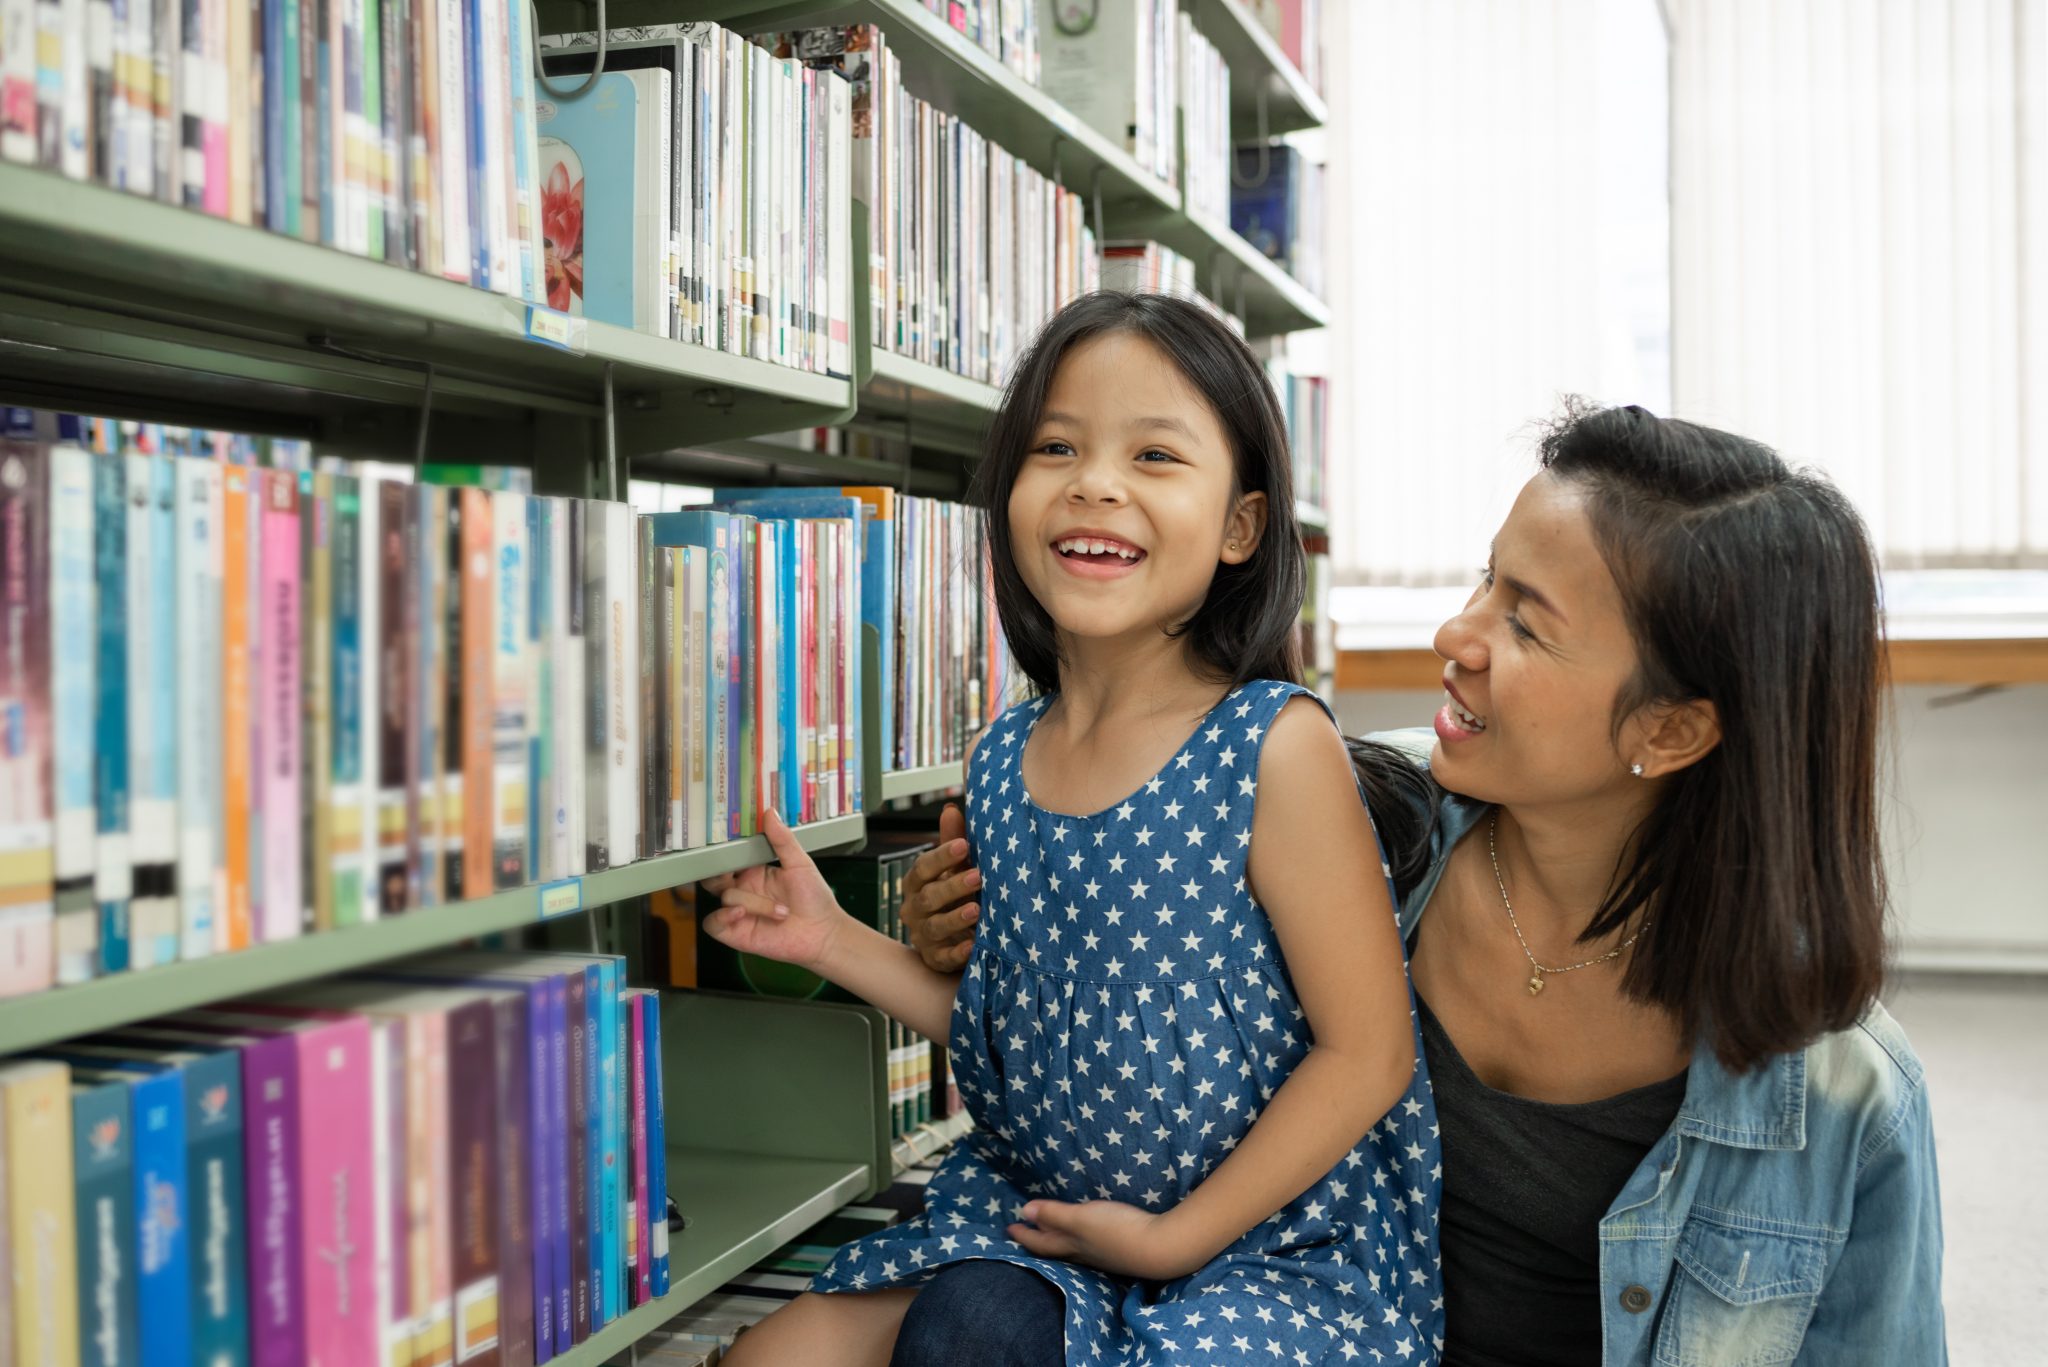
{"points": [[604, 161]]}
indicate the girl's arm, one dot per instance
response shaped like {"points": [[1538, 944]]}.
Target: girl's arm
{"points": [[789, 913], [1315, 867]]}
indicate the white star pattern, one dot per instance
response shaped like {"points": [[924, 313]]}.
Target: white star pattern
{"points": [[1096, 1070]]}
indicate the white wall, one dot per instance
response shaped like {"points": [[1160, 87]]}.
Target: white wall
{"points": [[1967, 820]]}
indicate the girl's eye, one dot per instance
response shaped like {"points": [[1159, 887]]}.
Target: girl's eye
{"points": [[1054, 448], [1156, 456]]}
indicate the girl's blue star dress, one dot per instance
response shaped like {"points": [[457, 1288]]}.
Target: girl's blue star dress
{"points": [[1124, 1017]]}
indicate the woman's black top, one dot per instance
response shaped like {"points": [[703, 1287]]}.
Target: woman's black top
{"points": [[1526, 1184]]}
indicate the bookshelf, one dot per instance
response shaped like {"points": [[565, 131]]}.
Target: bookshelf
{"points": [[123, 306], [1257, 68], [61, 1012], [936, 778]]}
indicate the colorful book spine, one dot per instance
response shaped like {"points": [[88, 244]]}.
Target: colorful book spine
{"points": [[642, 1251], [316, 678], [200, 564], [478, 605], [611, 1193], [103, 1165], [621, 684], [508, 670], [345, 706], [73, 695], [473, 1119], [238, 516], [657, 1150], [279, 695], [596, 693], [163, 1244], [454, 712], [394, 701], [565, 630], [430, 687], [27, 806], [431, 1258], [388, 1179], [540, 799], [152, 709], [370, 638], [36, 1138], [113, 872], [583, 1149], [520, 1249]]}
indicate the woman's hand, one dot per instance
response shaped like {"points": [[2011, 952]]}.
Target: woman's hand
{"points": [[938, 892], [1108, 1235], [786, 912]]}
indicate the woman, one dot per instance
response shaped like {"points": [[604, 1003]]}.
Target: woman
{"points": [[1677, 1126]]}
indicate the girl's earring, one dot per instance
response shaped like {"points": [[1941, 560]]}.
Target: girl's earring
{"points": [[1636, 769]]}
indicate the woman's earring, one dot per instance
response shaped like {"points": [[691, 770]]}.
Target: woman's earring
{"points": [[1636, 769]]}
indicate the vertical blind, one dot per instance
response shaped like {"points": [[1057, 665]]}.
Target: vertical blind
{"points": [[1859, 196]]}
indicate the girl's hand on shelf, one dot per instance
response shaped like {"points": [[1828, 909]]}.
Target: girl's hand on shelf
{"points": [[780, 911], [1108, 1235], [939, 909]]}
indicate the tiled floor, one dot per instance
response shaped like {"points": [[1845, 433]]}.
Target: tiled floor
{"points": [[1984, 1041]]}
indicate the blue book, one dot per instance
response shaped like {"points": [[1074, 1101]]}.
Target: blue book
{"points": [[612, 1071], [326, 75], [218, 1249], [280, 19], [103, 1180], [473, 85], [113, 872], [163, 1288], [657, 1150], [596, 150]]}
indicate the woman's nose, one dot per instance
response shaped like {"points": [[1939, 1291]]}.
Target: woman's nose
{"points": [[1462, 643]]}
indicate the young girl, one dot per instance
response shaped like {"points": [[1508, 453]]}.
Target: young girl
{"points": [[1185, 1033]]}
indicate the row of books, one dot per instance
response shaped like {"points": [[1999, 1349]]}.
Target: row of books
{"points": [[1277, 205], [1204, 122], [460, 1159], [1116, 69], [1305, 403], [971, 250], [698, 190], [1005, 29], [401, 130], [1154, 268], [1297, 26], [246, 702]]}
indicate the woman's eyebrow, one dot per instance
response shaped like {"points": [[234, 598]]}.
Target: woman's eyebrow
{"points": [[1524, 589]]}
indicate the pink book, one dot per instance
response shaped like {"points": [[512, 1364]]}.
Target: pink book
{"points": [[642, 1235], [278, 698], [336, 1171]]}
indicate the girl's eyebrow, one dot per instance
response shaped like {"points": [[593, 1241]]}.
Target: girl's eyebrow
{"points": [[1169, 424]]}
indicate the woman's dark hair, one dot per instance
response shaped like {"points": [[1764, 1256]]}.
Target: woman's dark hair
{"points": [[1752, 586], [1247, 627]]}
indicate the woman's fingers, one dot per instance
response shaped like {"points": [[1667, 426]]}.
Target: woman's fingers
{"points": [[788, 852], [933, 865], [947, 928]]}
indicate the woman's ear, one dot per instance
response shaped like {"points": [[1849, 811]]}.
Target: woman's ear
{"points": [[1241, 533], [1673, 736]]}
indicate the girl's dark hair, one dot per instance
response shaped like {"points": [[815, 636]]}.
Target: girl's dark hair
{"points": [[1752, 586], [1247, 627]]}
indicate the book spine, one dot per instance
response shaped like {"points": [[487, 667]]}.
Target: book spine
{"points": [[424, 693], [113, 869], [103, 1217], [517, 1135], [371, 630], [622, 673], [697, 657], [27, 947], [675, 701], [473, 1118], [316, 543], [657, 1152], [610, 1193], [336, 1185], [478, 780], [454, 714], [458, 246], [390, 883], [741, 661], [152, 708], [523, 216], [642, 1249], [565, 643], [541, 1169], [200, 689], [718, 691], [596, 690], [583, 1149], [412, 1289], [433, 1257], [270, 1086], [346, 836], [652, 635], [214, 1194], [539, 659], [387, 1171], [42, 1227], [163, 1251], [507, 672], [280, 690], [560, 1123], [234, 929]]}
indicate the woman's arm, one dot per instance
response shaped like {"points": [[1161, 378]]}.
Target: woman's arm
{"points": [[1882, 1300], [1315, 867], [789, 913]]}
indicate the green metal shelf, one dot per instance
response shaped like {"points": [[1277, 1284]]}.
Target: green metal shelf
{"points": [[1257, 66], [1238, 276], [934, 778], [118, 304], [742, 1207], [62, 1012], [928, 396]]}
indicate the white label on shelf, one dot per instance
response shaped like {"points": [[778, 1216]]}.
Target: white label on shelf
{"points": [[560, 898], [557, 329]]}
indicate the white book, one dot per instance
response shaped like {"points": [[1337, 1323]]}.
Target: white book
{"points": [[565, 647], [507, 687], [597, 672], [694, 647], [457, 242], [833, 296], [494, 136], [387, 1159], [74, 625], [622, 683], [369, 611]]}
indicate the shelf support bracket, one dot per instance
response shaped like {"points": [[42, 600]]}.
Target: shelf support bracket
{"points": [[419, 443], [1095, 197], [611, 436], [1057, 139], [1265, 146]]}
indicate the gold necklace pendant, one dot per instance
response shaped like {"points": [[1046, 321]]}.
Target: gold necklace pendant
{"points": [[1535, 982]]}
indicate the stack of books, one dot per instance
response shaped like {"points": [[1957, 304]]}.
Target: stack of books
{"points": [[1276, 205], [1117, 70], [1204, 123], [698, 190], [462, 1159], [1305, 402], [252, 702], [1005, 29], [970, 249]]}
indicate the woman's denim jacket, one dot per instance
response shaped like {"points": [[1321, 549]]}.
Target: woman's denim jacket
{"points": [[1790, 1215]]}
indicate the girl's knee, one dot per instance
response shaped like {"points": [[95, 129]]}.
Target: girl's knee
{"points": [[990, 1313]]}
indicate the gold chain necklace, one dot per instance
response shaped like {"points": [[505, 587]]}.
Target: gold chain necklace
{"points": [[1538, 971]]}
